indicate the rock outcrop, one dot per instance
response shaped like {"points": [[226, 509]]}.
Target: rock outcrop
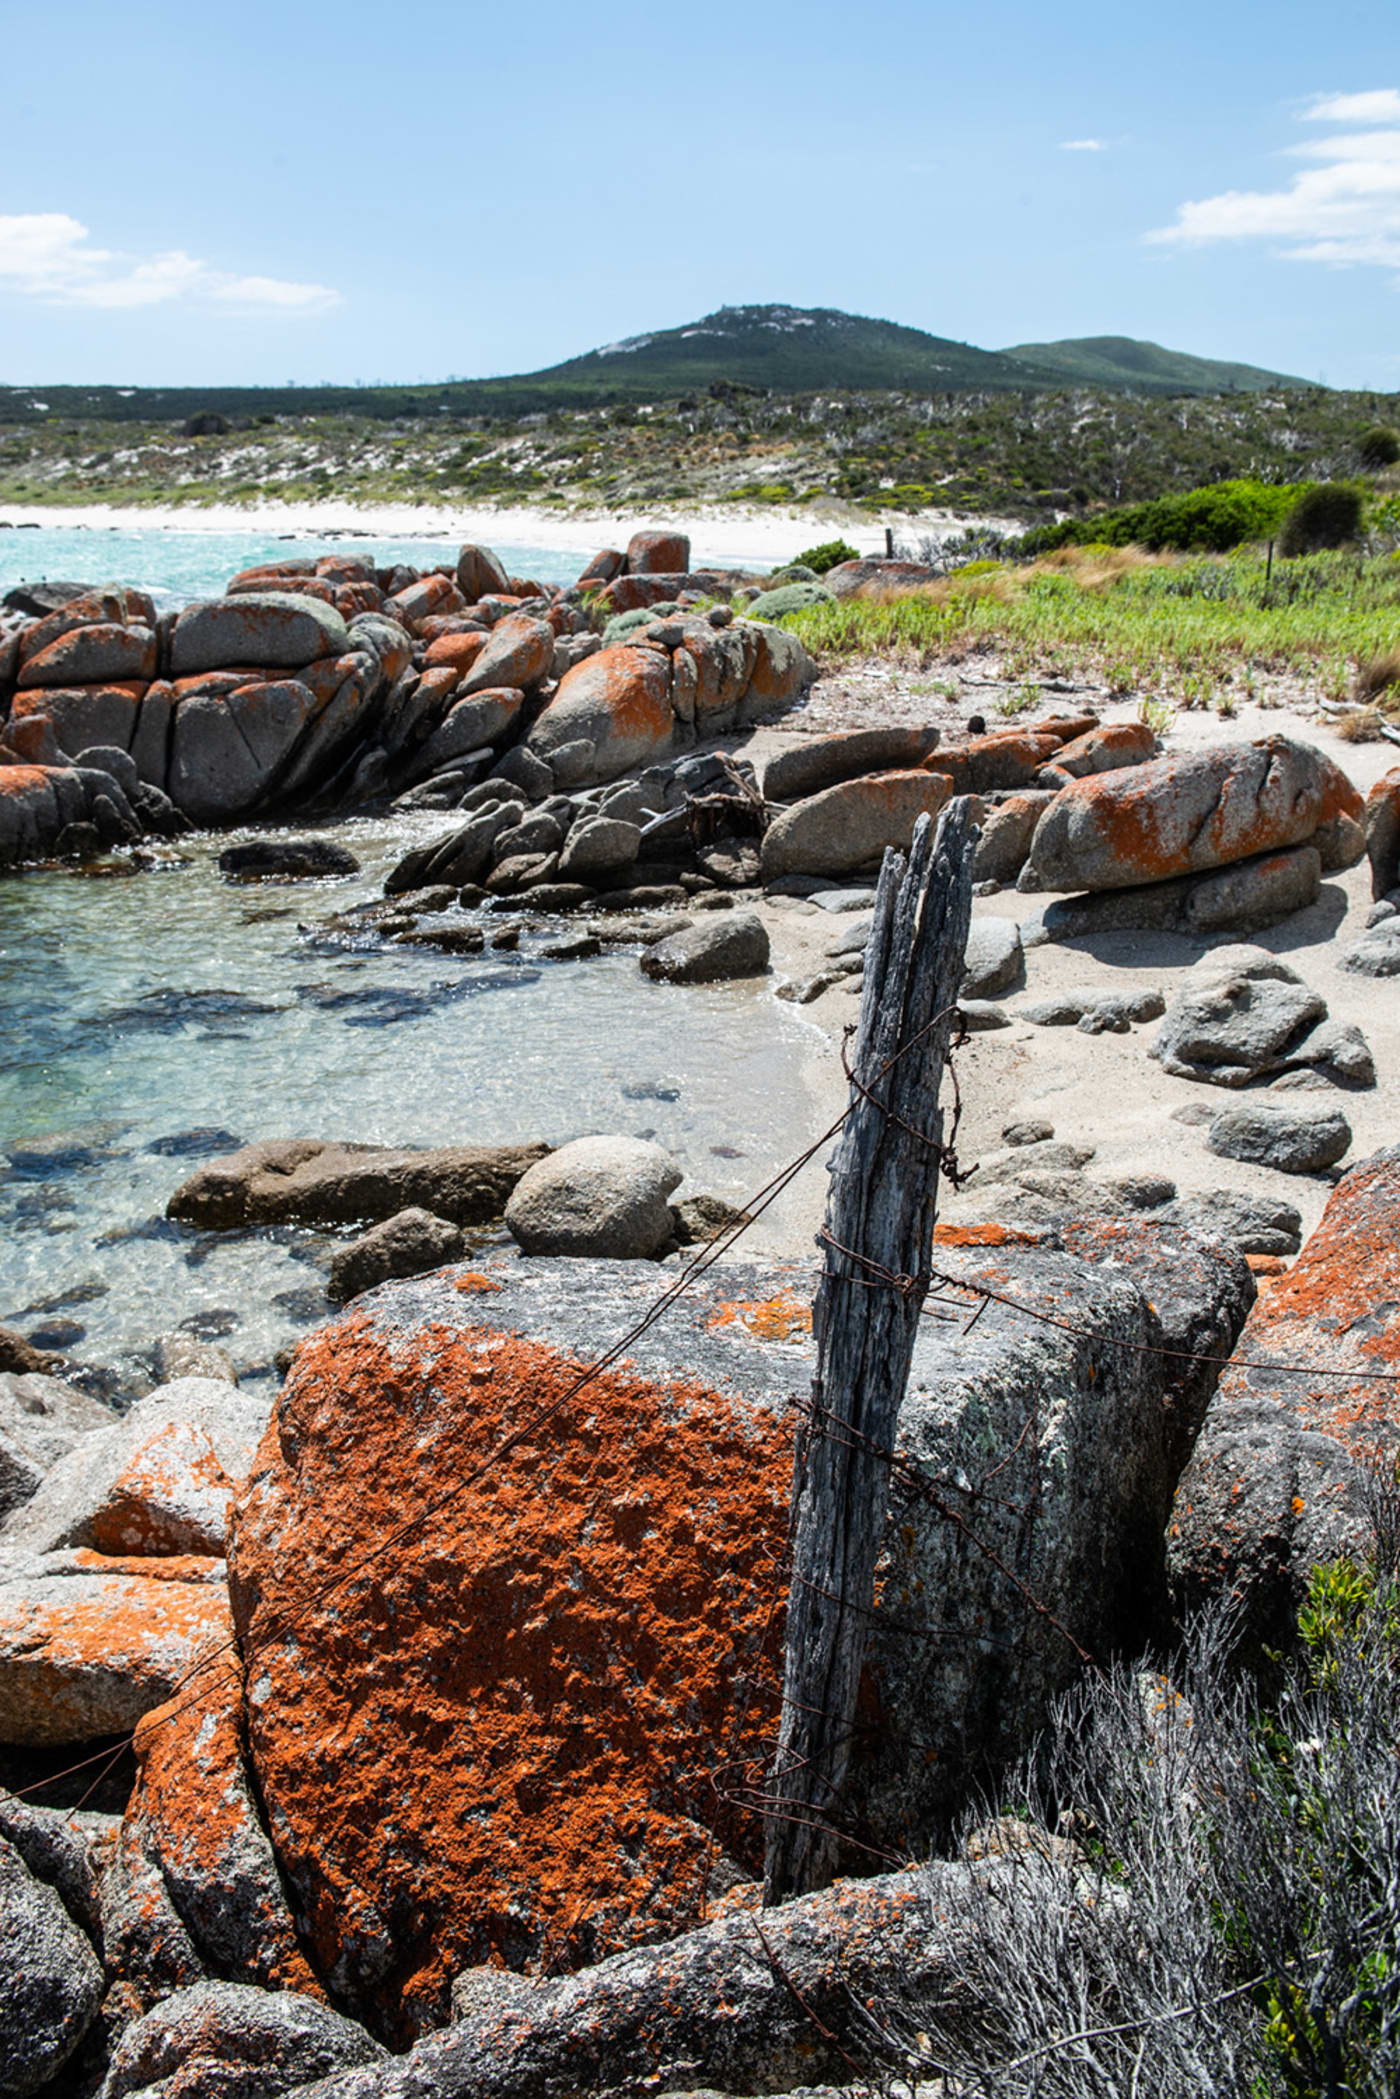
{"points": [[1277, 1481], [303, 1180]]}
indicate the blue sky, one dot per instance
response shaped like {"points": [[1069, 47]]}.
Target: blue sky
{"points": [[271, 194]]}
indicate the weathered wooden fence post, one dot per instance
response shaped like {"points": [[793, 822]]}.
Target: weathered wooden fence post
{"points": [[879, 1224]]}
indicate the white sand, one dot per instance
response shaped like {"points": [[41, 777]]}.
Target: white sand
{"points": [[728, 534]]}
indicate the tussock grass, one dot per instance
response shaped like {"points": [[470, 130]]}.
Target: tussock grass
{"points": [[1139, 620], [1378, 677]]}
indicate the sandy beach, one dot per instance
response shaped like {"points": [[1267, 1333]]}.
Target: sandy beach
{"points": [[734, 535]]}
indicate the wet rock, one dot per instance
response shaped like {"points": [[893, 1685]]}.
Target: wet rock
{"points": [[224, 2040], [51, 1981], [87, 1644], [1291, 1140], [601, 1196], [818, 762], [702, 1218], [1277, 1481], [408, 1243], [20, 1357], [1180, 814], [717, 948], [848, 826], [291, 858], [993, 962], [302, 1180], [184, 1356]]}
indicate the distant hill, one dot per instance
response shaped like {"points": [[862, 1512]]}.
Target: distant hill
{"points": [[775, 349], [1117, 361]]}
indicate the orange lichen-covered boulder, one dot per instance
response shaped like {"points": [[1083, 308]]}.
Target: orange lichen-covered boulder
{"points": [[657, 553], [1010, 758], [1276, 1483], [517, 654], [429, 598], [96, 653], [619, 703], [276, 630], [455, 651], [1181, 814], [1104, 749], [1381, 826], [192, 1820], [850, 825], [479, 573], [89, 1644], [497, 1662], [84, 717]]}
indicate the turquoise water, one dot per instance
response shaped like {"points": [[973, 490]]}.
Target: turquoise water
{"points": [[151, 1020], [199, 564]]}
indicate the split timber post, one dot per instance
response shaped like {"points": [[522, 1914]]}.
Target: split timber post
{"points": [[879, 1222]]}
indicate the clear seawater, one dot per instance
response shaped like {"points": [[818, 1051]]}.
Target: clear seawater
{"points": [[150, 1020], [198, 564]]}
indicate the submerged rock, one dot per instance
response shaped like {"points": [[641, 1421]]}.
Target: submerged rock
{"points": [[407, 1243], [304, 1180]]}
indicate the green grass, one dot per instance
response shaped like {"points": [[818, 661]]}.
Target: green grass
{"points": [[1137, 622]]}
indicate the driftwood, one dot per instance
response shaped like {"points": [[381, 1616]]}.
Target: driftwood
{"points": [[877, 1245]]}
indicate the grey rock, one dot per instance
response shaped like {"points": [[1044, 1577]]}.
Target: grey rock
{"points": [[838, 901], [226, 753], [225, 2040], [822, 761], [993, 962], [982, 1016], [1227, 1029], [406, 1244], [1007, 829], [848, 826], [51, 1981], [801, 991], [63, 1848], [1104, 1011], [757, 2005], [41, 1420], [1022, 1157], [604, 845], [1244, 898], [722, 946], [303, 1180], [275, 630], [536, 833], [1027, 1130], [1254, 1224], [523, 769], [1291, 1140], [1143, 1191], [181, 1355], [1377, 954], [702, 1218], [155, 1482], [601, 1196]]}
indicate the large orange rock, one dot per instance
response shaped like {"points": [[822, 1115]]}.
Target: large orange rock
{"points": [[1181, 814], [619, 702], [1009, 758], [1277, 1482], [89, 1644], [429, 598], [455, 651], [517, 654], [657, 553], [85, 717], [94, 654], [850, 825], [530, 1779]]}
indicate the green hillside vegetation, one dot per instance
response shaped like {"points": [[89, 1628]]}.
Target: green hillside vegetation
{"points": [[775, 349], [1031, 458], [1118, 361]]}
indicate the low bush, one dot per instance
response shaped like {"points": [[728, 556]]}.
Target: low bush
{"points": [[1379, 448], [1326, 515], [830, 554], [1209, 520]]}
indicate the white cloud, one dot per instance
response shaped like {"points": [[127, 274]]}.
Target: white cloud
{"points": [[48, 256], [1344, 209], [1082, 145], [1380, 106]]}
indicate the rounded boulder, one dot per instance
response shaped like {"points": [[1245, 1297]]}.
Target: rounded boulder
{"points": [[604, 1197]]}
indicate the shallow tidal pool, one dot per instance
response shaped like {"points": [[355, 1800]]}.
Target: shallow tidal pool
{"points": [[149, 1022]]}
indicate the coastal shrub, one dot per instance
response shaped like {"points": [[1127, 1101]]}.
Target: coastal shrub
{"points": [[790, 597], [1326, 515], [830, 554], [1191, 1888], [1379, 447], [1210, 520]]}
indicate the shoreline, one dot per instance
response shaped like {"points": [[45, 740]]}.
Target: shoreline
{"points": [[728, 535]]}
